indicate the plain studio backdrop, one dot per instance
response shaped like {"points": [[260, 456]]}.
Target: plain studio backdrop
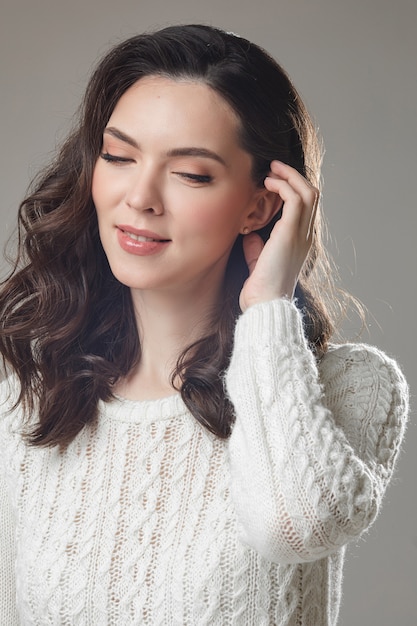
{"points": [[355, 64]]}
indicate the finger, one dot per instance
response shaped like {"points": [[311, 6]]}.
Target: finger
{"points": [[296, 180], [294, 203], [252, 248], [290, 174], [300, 196], [310, 229]]}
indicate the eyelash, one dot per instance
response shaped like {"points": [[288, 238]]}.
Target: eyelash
{"points": [[196, 178], [110, 158]]}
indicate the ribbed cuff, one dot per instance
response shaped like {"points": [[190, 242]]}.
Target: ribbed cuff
{"points": [[274, 322]]}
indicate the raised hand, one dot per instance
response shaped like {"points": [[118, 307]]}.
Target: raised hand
{"points": [[274, 267]]}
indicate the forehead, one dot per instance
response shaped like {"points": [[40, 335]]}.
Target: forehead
{"points": [[181, 106]]}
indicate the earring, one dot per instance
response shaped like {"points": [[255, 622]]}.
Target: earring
{"points": [[245, 230]]}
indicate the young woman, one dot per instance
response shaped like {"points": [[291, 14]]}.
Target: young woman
{"points": [[180, 441]]}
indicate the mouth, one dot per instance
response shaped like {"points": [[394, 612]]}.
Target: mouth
{"points": [[149, 237], [141, 237]]}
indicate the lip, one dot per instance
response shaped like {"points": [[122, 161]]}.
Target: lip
{"points": [[131, 245], [139, 232]]}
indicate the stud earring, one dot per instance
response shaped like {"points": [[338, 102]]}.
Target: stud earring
{"points": [[245, 230]]}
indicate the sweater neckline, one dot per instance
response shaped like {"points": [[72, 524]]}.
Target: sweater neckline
{"points": [[143, 411]]}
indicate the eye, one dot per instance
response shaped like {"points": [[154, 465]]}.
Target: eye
{"points": [[111, 158], [195, 178]]}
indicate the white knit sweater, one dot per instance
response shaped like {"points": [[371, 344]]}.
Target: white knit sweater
{"points": [[149, 519]]}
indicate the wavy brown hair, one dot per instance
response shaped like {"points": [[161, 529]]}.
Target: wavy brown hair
{"points": [[68, 328]]}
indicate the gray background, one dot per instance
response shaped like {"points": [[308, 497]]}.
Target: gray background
{"points": [[355, 64]]}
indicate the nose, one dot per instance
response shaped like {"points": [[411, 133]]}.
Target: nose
{"points": [[144, 192]]}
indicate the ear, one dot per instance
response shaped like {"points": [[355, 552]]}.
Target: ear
{"points": [[265, 206]]}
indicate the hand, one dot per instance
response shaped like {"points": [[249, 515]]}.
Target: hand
{"points": [[274, 267]]}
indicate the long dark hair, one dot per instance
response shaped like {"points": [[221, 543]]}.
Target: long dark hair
{"points": [[67, 325]]}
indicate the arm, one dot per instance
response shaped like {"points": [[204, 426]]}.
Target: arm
{"points": [[310, 458]]}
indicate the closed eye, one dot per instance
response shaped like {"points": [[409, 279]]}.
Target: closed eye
{"points": [[195, 178], [111, 158]]}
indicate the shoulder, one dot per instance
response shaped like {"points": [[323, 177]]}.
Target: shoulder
{"points": [[9, 393], [11, 414]]}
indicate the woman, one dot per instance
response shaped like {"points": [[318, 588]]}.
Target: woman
{"points": [[181, 443]]}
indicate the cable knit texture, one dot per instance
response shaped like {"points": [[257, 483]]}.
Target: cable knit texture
{"points": [[149, 519]]}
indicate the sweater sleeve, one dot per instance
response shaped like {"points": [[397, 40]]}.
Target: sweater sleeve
{"points": [[313, 447], [8, 615], [8, 609]]}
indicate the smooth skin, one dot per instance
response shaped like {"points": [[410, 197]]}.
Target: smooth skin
{"points": [[171, 164]]}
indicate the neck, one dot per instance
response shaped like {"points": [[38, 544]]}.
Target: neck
{"points": [[167, 325]]}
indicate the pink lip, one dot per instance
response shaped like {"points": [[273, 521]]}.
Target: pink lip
{"points": [[140, 248], [141, 232]]}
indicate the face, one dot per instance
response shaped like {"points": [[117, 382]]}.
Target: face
{"points": [[172, 187]]}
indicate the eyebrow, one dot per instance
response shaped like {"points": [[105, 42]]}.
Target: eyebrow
{"points": [[197, 152], [118, 134], [175, 152]]}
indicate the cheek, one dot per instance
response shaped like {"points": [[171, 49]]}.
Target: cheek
{"points": [[96, 187], [221, 215], [208, 221], [105, 188]]}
